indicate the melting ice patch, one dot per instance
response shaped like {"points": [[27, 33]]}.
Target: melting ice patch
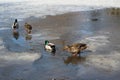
{"points": [[109, 62], [95, 42], [2, 47], [19, 57], [69, 2], [45, 35], [4, 28], [27, 9], [8, 57], [11, 9]]}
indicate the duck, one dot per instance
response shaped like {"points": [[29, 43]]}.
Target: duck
{"points": [[49, 46], [75, 48], [15, 25], [28, 28]]}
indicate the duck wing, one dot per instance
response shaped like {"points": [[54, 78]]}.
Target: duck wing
{"points": [[51, 44], [79, 45]]}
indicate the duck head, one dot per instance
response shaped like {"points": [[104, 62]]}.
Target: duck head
{"points": [[26, 24], [83, 46], [46, 42], [15, 20]]}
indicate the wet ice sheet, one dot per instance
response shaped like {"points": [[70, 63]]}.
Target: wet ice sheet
{"points": [[32, 63], [14, 51], [45, 34], [107, 62], [69, 2], [10, 11], [100, 57]]}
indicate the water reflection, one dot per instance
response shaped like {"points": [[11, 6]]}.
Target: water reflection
{"points": [[16, 34], [28, 37], [74, 59]]}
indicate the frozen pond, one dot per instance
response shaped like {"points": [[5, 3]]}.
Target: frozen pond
{"points": [[23, 59]]}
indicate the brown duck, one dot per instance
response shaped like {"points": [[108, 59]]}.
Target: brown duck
{"points": [[76, 48], [28, 28]]}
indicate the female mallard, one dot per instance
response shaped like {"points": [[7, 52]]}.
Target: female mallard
{"points": [[75, 48], [28, 28], [50, 47]]}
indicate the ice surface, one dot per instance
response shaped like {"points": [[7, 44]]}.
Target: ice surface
{"points": [[69, 2]]}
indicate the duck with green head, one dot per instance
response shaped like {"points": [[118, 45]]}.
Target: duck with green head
{"points": [[49, 46]]}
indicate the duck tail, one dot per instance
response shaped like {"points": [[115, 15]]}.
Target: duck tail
{"points": [[53, 48]]}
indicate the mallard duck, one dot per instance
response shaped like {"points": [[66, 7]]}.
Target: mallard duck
{"points": [[75, 48], [15, 25], [28, 28], [50, 46]]}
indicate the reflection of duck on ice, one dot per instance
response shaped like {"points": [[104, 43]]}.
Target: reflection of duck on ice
{"points": [[28, 37], [15, 28], [15, 34], [74, 59]]}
